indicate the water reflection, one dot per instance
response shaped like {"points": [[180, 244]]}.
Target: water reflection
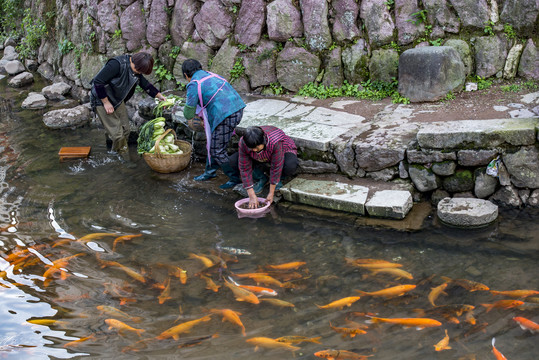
{"points": [[49, 208]]}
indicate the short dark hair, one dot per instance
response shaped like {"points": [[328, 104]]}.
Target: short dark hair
{"points": [[143, 62], [190, 66], [253, 136]]}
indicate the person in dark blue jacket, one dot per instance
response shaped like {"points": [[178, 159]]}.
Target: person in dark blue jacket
{"points": [[113, 86], [220, 107]]}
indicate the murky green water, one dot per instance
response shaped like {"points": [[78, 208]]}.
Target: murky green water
{"points": [[43, 202]]}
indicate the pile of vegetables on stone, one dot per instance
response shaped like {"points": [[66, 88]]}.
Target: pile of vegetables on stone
{"points": [[153, 129]]}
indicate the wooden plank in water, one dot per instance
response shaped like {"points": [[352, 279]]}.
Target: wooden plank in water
{"points": [[74, 152]]}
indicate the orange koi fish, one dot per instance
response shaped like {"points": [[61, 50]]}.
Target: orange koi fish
{"points": [[398, 273], [341, 303], [371, 263], [345, 331], [287, 266], [279, 302], [122, 239], [47, 322], [182, 328], [299, 339], [497, 354], [331, 354], [443, 344], [54, 269], [122, 327], [503, 304], [230, 316], [165, 294], [176, 271], [112, 311], [242, 294], [259, 290], [94, 236], [250, 275], [204, 260], [467, 284], [398, 290], [269, 343], [126, 300], [265, 279], [79, 341], [527, 324], [515, 293], [135, 275], [210, 285], [435, 292], [420, 323]]}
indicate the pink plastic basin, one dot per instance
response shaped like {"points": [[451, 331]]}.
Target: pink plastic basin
{"points": [[251, 212]]}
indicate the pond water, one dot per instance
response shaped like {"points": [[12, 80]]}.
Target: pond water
{"points": [[46, 205]]}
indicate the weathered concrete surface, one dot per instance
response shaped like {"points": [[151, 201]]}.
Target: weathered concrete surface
{"points": [[309, 126], [473, 134], [467, 212], [390, 204], [327, 194]]}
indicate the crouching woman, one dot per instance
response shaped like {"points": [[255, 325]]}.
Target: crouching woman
{"points": [[260, 148]]}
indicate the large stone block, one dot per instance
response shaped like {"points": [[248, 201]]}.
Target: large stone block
{"points": [[333, 75], [345, 25], [355, 60], [21, 80], [521, 14], [133, 26], [529, 61], [465, 53], [485, 185], [213, 23], [315, 22], [523, 166], [409, 27], [378, 21], [192, 50], [390, 204], [424, 179], [472, 13], [66, 118], [374, 158], [477, 134], [490, 54], [296, 67], [384, 65], [467, 212], [260, 65], [327, 194], [182, 25], [283, 20], [430, 73], [440, 16], [224, 60], [252, 16]]}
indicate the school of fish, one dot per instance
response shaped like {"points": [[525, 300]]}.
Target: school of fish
{"points": [[265, 286]]}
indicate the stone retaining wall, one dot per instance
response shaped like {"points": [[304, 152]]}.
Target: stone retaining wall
{"points": [[271, 46]]}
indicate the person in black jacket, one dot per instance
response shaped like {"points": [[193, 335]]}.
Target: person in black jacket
{"points": [[113, 86]]}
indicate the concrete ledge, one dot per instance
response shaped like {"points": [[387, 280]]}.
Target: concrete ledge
{"points": [[327, 194], [477, 134], [393, 204], [467, 212]]}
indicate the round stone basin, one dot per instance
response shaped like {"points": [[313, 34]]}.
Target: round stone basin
{"points": [[467, 212]]}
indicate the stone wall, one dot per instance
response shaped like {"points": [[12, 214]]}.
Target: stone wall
{"points": [[284, 44]]}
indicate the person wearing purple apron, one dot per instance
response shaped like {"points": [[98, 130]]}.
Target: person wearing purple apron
{"points": [[220, 107]]}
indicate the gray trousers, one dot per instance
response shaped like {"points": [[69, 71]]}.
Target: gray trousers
{"points": [[116, 125]]}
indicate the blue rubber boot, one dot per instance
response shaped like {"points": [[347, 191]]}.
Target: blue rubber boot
{"points": [[233, 176], [260, 180], [209, 173], [279, 185]]}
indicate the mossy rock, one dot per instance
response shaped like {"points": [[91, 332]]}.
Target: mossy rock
{"points": [[461, 181]]}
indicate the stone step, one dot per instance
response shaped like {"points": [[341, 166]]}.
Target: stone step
{"points": [[369, 198]]}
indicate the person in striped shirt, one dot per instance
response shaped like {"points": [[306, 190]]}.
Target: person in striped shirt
{"points": [[261, 147]]}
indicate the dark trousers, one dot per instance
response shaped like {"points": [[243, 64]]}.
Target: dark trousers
{"points": [[289, 168]]}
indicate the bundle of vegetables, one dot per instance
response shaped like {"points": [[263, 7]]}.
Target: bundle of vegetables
{"points": [[170, 101], [150, 132]]}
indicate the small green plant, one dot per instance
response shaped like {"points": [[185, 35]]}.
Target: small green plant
{"points": [[511, 88], [117, 34], [279, 47], [509, 31], [162, 73], [390, 4], [169, 10], [65, 46], [168, 37], [180, 86], [483, 84], [420, 17], [332, 46], [93, 36], [174, 52], [33, 31], [277, 88], [242, 47], [397, 98], [237, 70], [234, 9], [450, 96], [531, 85], [437, 42], [489, 28], [374, 90]]}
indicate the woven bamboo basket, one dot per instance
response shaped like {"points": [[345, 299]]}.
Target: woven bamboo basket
{"points": [[168, 163]]}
